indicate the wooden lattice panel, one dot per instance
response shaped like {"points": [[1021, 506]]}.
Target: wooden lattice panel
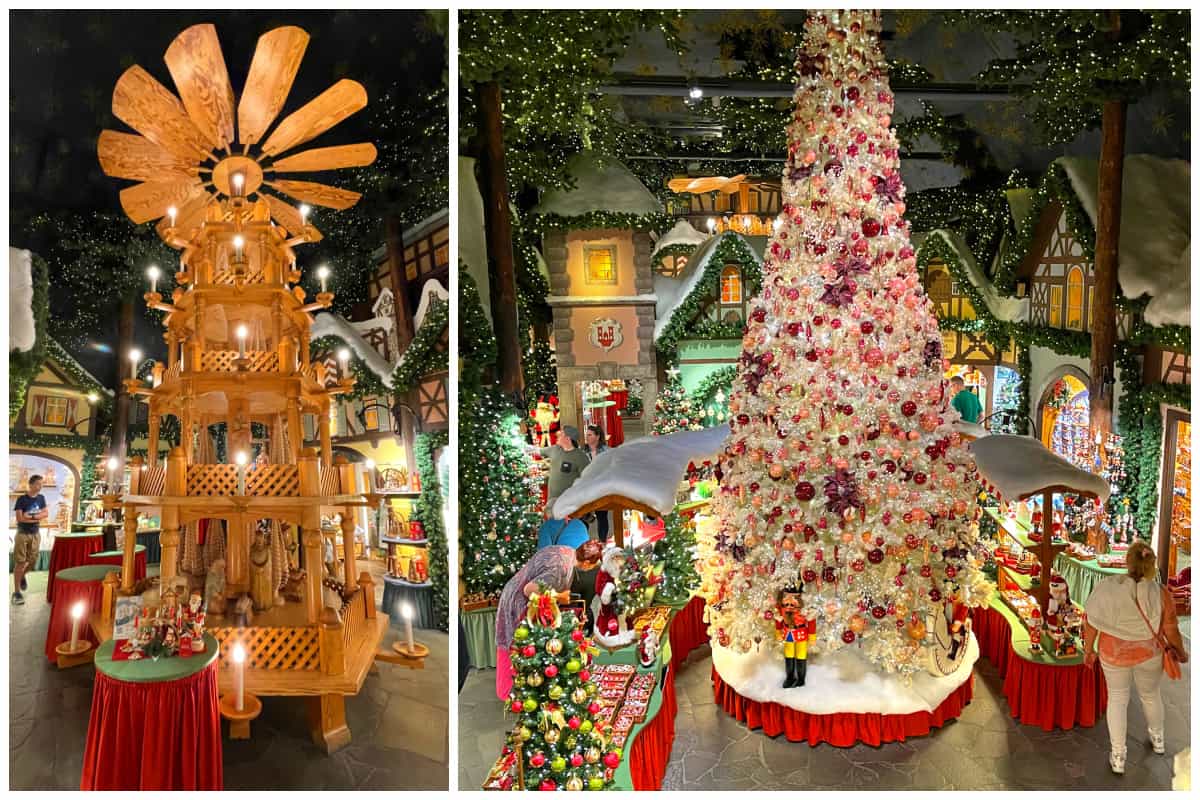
{"points": [[226, 277], [174, 372], [212, 480], [279, 480], [272, 648], [152, 481], [331, 482], [354, 620], [224, 361]]}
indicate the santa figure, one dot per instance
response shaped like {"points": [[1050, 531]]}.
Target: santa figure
{"points": [[957, 621], [648, 647], [1060, 601], [612, 628]]}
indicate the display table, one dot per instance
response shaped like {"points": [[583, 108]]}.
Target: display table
{"points": [[688, 631], [1082, 576], [149, 539], [71, 550], [154, 724], [74, 584], [479, 627], [397, 592], [648, 748], [116, 557], [1041, 690]]}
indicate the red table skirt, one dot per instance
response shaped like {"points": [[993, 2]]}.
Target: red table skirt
{"points": [[66, 593], [1047, 695], [651, 748], [154, 735], [687, 632], [139, 563], [840, 730], [71, 551]]}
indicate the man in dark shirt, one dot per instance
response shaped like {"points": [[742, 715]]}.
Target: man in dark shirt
{"points": [[31, 510], [567, 463]]}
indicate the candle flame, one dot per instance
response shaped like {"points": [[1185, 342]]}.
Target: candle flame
{"points": [[238, 654], [77, 610]]}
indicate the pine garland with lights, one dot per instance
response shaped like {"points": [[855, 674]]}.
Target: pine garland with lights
{"points": [[562, 743], [366, 382], [706, 392], [541, 372], [477, 347], [674, 410], [423, 355], [428, 509], [674, 251]]}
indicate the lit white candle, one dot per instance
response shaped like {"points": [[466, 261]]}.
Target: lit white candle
{"points": [[135, 356], [152, 273], [304, 212], [241, 458], [172, 212], [239, 676], [76, 616], [238, 241], [242, 333], [407, 610], [323, 277], [239, 181], [344, 359]]}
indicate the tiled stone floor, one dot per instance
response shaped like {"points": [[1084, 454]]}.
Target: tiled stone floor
{"points": [[983, 749], [398, 722]]}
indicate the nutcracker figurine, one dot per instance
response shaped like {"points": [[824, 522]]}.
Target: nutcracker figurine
{"points": [[795, 630], [956, 618]]}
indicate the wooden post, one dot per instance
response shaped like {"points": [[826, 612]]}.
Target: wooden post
{"points": [[108, 605], [326, 435], [327, 722], [617, 526], [130, 549], [398, 274], [152, 436], [310, 535], [175, 486], [296, 431], [367, 585], [349, 485], [333, 650], [499, 241]]}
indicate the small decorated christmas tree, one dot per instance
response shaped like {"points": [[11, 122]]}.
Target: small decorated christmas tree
{"points": [[675, 554], [561, 744], [674, 410]]}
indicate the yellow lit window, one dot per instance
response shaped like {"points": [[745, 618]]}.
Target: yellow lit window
{"points": [[371, 414], [731, 286], [1075, 299], [1091, 295], [601, 264], [56, 411], [1056, 306]]}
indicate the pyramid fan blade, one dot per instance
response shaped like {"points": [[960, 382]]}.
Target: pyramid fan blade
{"points": [[149, 201], [276, 60], [145, 105], [317, 193], [287, 215], [198, 67], [136, 158], [188, 216], [319, 115], [349, 155]]}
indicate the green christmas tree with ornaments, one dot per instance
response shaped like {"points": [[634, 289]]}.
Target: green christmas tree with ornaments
{"points": [[562, 747], [675, 555], [674, 410], [842, 471]]}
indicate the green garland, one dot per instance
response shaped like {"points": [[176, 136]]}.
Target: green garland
{"points": [[722, 379], [477, 349], [23, 367], [423, 355], [674, 251], [540, 224], [92, 450], [429, 511], [366, 382], [1055, 186], [684, 322]]}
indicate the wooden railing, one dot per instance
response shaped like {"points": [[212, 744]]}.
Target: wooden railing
{"points": [[272, 648], [216, 480], [224, 361], [354, 619], [153, 480], [331, 483]]}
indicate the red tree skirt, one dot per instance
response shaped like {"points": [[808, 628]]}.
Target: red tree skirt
{"points": [[840, 730], [687, 632], [651, 748]]}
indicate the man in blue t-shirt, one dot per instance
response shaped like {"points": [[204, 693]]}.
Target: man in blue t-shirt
{"points": [[964, 401], [31, 510]]}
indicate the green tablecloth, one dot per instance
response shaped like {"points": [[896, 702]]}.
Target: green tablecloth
{"points": [[480, 628], [78, 535], [622, 779], [137, 548], [1020, 638], [147, 670], [89, 572], [1082, 576]]}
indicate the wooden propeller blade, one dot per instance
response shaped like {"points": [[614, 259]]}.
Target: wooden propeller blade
{"points": [[704, 185], [286, 215], [188, 216], [124, 155], [149, 201], [198, 67], [317, 193], [317, 116], [145, 105], [276, 60], [348, 155]]}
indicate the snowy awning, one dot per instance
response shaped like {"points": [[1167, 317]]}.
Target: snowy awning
{"points": [[432, 290], [602, 183], [22, 329], [1155, 243], [327, 324], [646, 471], [1016, 467], [672, 292], [682, 233]]}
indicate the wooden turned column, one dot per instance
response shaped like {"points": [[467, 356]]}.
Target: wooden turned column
{"points": [[152, 437], [296, 431], [367, 584], [310, 534], [108, 607], [237, 553], [175, 487], [130, 549], [326, 437], [349, 485]]}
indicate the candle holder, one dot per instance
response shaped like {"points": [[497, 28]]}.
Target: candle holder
{"points": [[417, 650], [68, 657], [239, 721]]}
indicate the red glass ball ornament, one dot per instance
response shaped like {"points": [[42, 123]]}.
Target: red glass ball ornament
{"points": [[935, 595], [829, 575], [577, 759], [926, 570], [878, 612], [805, 491], [577, 636], [551, 670], [574, 722], [951, 571], [537, 760], [848, 636], [871, 227], [517, 706], [843, 440], [908, 408], [529, 651], [809, 575], [919, 478], [612, 760], [548, 785], [867, 327], [875, 556], [858, 565], [594, 707]]}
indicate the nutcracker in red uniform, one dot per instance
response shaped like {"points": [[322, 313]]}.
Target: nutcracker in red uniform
{"points": [[795, 630], [957, 620]]}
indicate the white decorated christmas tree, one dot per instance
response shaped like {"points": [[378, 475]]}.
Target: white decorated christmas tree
{"points": [[673, 409], [842, 471]]}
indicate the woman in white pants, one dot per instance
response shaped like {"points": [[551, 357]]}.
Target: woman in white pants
{"points": [[1120, 612]]}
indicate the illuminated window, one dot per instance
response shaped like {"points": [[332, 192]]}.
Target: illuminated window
{"points": [[1056, 306], [601, 264], [371, 414], [731, 286], [1075, 299], [56, 411]]}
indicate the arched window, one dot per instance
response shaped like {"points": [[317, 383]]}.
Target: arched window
{"points": [[731, 286], [1075, 299]]}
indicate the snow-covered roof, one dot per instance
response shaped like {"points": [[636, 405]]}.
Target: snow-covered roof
{"points": [[647, 470], [1004, 308], [602, 183], [672, 292], [472, 237], [682, 233], [22, 328], [1155, 243], [432, 289], [59, 353], [1021, 466], [329, 324]]}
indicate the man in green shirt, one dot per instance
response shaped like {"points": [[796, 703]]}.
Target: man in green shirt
{"points": [[964, 401], [567, 461]]}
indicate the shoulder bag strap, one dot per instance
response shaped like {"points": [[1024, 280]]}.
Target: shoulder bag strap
{"points": [[1158, 635]]}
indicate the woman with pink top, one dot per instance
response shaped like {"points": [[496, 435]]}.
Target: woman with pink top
{"points": [[1133, 616]]}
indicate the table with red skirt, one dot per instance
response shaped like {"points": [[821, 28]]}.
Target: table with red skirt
{"points": [[116, 559], [74, 585], [71, 550], [1041, 690], [154, 724]]}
